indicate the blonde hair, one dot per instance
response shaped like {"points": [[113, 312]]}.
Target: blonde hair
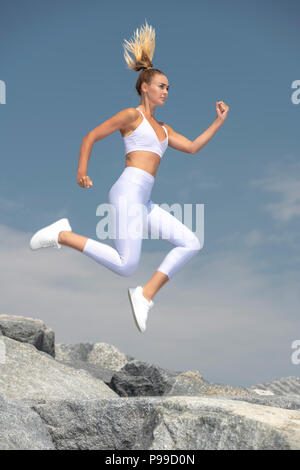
{"points": [[141, 46]]}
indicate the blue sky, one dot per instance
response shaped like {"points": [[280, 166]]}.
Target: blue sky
{"points": [[233, 312]]}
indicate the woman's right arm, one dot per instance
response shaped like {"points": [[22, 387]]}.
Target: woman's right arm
{"points": [[117, 122]]}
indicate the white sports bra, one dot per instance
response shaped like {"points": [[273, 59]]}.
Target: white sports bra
{"points": [[144, 137]]}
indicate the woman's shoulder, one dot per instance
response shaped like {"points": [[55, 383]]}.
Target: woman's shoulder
{"points": [[129, 113], [132, 112], [129, 119]]}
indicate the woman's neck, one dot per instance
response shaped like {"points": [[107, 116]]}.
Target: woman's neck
{"points": [[149, 110]]}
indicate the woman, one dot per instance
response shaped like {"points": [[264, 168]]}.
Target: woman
{"points": [[145, 141]]}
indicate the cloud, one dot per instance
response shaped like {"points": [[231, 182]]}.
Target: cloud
{"points": [[282, 177], [259, 238], [254, 238], [225, 314]]}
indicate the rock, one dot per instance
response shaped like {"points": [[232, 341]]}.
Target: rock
{"points": [[100, 354], [129, 357], [70, 352], [191, 383], [92, 396], [289, 402], [139, 378], [158, 423], [96, 371], [283, 386], [2, 351], [210, 423], [100, 360], [107, 356], [29, 373], [22, 428], [104, 424], [28, 330]]}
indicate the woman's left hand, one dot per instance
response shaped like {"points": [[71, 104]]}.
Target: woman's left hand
{"points": [[222, 110]]}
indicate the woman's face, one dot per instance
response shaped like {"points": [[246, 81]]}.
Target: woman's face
{"points": [[157, 91]]}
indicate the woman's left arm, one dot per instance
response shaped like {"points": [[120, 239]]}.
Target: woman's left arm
{"points": [[179, 142]]}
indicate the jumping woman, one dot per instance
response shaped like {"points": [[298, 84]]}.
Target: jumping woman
{"points": [[145, 140]]}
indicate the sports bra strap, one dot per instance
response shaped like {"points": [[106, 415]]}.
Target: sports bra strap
{"points": [[150, 124], [140, 111]]}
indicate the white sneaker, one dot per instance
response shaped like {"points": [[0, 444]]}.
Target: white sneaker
{"points": [[48, 236], [140, 306]]}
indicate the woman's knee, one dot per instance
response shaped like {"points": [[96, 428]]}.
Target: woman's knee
{"points": [[194, 243], [128, 268]]}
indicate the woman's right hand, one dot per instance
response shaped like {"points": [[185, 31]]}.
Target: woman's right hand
{"points": [[84, 181]]}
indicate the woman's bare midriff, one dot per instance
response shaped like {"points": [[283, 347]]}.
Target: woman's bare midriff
{"points": [[147, 161]]}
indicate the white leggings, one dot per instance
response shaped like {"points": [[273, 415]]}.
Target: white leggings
{"points": [[133, 188]]}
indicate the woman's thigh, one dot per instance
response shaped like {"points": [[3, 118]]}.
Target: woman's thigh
{"points": [[129, 219], [163, 225]]}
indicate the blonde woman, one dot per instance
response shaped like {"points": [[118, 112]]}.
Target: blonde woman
{"points": [[145, 140]]}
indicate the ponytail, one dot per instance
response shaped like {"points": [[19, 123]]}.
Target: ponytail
{"points": [[142, 47]]}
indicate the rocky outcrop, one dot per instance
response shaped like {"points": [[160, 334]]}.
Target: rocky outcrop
{"points": [[156, 423], [22, 428], [142, 379], [28, 330], [284, 386], [139, 378], [29, 373], [100, 354], [289, 402], [92, 396], [101, 360]]}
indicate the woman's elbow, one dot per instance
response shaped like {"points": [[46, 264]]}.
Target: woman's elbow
{"points": [[191, 149], [89, 138]]}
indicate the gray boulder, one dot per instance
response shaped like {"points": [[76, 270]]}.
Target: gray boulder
{"points": [[22, 428], [28, 330], [191, 383], [92, 396], [73, 352], [289, 402], [108, 356], [173, 423], [100, 360], [139, 378], [217, 424], [282, 386], [95, 371], [2, 350], [29, 373], [100, 354]]}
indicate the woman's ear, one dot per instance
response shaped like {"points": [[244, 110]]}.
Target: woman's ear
{"points": [[144, 87]]}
